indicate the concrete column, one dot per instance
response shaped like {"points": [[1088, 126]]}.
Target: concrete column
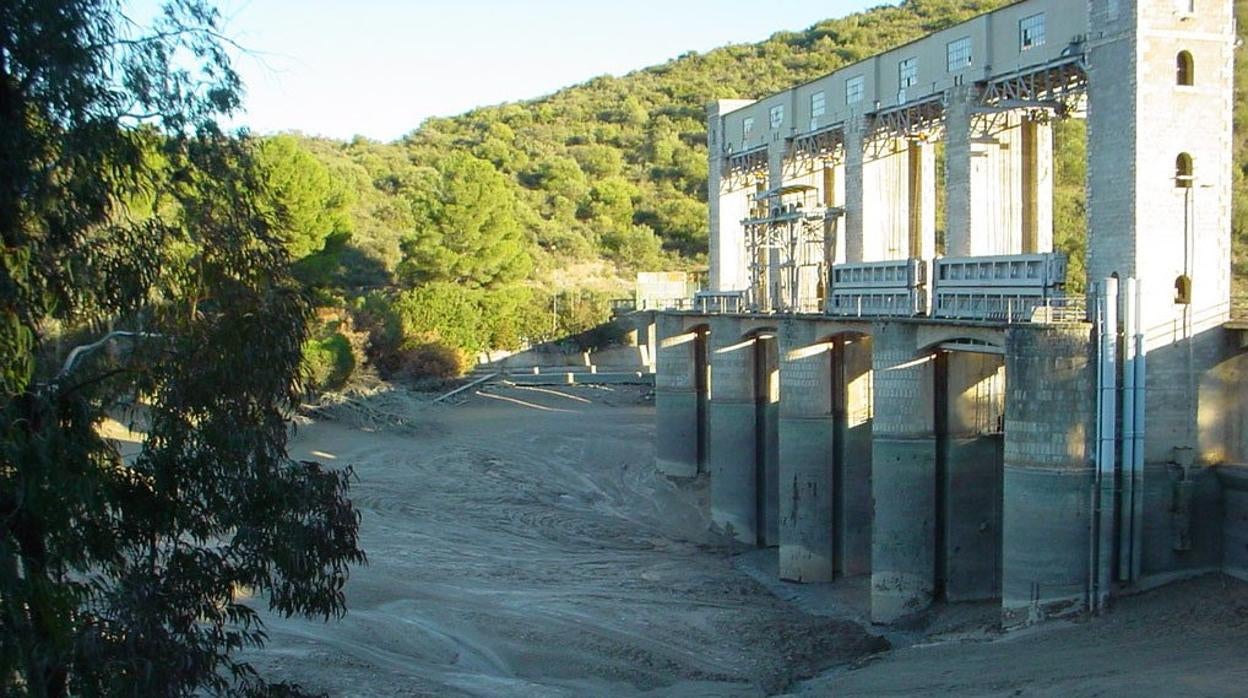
{"points": [[922, 200], [903, 475], [776, 152], [743, 441], [730, 441], [958, 176], [652, 341], [767, 430], [1049, 472], [1037, 195], [679, 398], [855, 240], [807, 454], [833, 187], [972, 445]]}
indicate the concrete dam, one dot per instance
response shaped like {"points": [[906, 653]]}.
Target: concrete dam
{"points": [[940, 412]]}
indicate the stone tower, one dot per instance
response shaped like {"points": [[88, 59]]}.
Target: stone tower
{"points": [[1159, 195]]}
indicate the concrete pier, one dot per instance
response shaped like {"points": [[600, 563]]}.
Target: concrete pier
{"points": [[807, 454], [1049, 471], [855, 195], [903, 475], [743, 434], [680, 398]]}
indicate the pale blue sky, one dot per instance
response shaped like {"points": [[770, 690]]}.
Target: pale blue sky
{"points": [[379, 67]]}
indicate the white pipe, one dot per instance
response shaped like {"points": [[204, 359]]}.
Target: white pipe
{"points": [[1106, 451], [1137, 461], [1127, 531]]}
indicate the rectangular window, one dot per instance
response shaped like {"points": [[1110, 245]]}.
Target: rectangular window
{"points": [[777, 116], [818, 105], [959, 54], [746, 126], [1031, 32], [908, 72], [854, 87]]}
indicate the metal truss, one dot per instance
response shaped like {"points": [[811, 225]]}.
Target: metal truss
{"points": [[1059, 86], [746, 162], [924, 118], [919, 120], [827, 143]]}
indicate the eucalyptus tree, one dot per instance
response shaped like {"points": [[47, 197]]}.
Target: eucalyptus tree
{"points": [[126, 575]]}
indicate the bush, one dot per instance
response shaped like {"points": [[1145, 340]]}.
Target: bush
{"points": [[420, 362], [328, 362]]}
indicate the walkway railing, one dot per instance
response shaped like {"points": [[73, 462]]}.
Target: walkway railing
{"points": [[1022, 288], [995, 307]]}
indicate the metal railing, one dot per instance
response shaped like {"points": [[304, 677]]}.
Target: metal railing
{"points": [[997, 307], [628, 305]]}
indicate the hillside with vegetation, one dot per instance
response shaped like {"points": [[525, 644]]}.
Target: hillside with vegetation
{"points": [[517, 222]]}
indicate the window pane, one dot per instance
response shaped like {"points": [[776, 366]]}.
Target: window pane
{"points": [[746, 126], [1031, 32], [777, 116], [959, 54], [908, 72], [854, 89], [817, 105]]}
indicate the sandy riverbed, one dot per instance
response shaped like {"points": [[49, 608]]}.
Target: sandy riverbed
{"points": [[521, 544]]}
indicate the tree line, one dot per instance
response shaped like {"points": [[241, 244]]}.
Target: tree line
{"points": [[608, 176]]}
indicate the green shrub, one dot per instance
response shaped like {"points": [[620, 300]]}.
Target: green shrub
{"points": [[328, 362]]}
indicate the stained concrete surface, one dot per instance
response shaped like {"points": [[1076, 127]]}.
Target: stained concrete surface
{"points": [[523, 544]]}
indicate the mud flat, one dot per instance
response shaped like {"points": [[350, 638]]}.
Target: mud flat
{"points": [[522, 544]]}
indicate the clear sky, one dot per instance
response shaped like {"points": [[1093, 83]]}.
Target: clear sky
{"points": [[379, 67]]}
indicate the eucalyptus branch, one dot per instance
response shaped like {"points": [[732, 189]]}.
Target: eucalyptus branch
{"points": [[82, 350]]}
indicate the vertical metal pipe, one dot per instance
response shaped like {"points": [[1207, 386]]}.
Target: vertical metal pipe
{"points": [[1127, 531], [1098, 320], [1103, 522], [1137, 460]]}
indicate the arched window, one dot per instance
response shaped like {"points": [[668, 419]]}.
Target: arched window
{"points": [[1183, 171], [1183, 290], [1184, 70]]}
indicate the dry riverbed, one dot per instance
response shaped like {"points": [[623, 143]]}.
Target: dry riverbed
{"points": [[521, 544]]}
